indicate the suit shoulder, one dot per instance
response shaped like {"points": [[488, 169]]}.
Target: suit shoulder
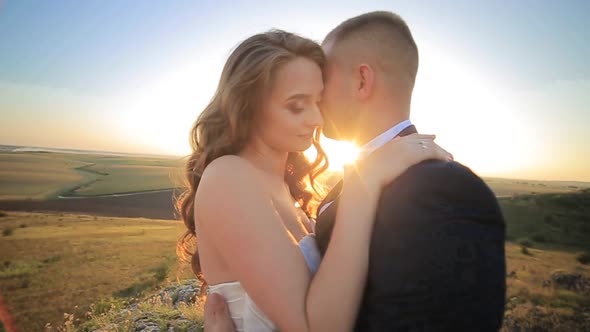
{"points": [[440, 167], [449, 188], [441, 176], [436, 171]]}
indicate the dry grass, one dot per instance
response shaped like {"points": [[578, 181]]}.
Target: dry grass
{"points": [[534, 303], [77, 267], [63, 263]]}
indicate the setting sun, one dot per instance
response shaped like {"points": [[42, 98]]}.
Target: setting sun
{"points": [[339, 153]]}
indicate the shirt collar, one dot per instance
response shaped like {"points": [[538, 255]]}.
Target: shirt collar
{"points": [[382, 138]]}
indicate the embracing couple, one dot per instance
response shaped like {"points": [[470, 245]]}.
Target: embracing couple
{"points": [[409, 240]]}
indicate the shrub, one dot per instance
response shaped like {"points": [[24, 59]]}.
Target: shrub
{"points": [[525, 251], [51, 259], [539, 238], [161, 272], [25, 283], [526, 243], [549, 219], [583, 258], [7, 231], [3, 214]]}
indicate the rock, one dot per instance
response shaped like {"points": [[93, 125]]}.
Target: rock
{"points": [[145, 321], [176, 293], [186, 294], [144, 325], [571, 281]]}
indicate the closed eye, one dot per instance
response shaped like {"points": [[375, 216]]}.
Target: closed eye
{"points": [[296, 110]]}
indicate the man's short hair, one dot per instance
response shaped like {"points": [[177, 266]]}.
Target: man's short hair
{"points": [[386, 35]]}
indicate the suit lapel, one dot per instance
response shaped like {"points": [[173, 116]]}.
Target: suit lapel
{"points": [[332, 195]]}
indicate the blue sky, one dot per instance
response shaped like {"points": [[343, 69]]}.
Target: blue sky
{"points": [[62, 43], [133, 75]]}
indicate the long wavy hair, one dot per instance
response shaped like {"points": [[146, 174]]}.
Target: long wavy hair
{"points": [[227, 123]]}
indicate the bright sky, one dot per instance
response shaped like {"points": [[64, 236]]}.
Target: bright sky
{"points": [[504, 85]]}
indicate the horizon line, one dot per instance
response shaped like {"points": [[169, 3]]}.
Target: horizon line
{"points": [[165, 155]]}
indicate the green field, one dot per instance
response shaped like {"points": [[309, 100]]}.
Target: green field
{"points": [[550, 220], [38, 176], [43, 175]]}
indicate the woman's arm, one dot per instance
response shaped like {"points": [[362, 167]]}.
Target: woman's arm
{"points": [[336, 290], [235, 213]]}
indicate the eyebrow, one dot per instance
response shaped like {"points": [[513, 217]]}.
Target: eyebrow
{"points": [[300, 96]]}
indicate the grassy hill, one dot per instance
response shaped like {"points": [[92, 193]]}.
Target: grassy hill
{"points": [[547, 262], [549, 220], [91, 268]]}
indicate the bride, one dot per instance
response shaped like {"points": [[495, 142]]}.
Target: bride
{"points": [[252, 193]]}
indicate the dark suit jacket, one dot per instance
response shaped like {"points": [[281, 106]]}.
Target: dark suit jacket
{"points": [[437, 260]]}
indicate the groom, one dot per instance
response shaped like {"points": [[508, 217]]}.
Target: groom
{"points": [[437, 260]]}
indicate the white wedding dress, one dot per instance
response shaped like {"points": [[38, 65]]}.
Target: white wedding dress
{"points": [[247, 317]]}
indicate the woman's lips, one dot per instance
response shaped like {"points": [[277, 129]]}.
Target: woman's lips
{"points": [[306, 135]]}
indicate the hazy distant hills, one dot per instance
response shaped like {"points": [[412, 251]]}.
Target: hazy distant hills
{"points": [[18, 148]]}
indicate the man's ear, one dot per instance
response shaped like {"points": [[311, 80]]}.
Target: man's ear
{"points": [[366, 81]]}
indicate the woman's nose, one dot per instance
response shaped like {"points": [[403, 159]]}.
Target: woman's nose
{"points": [[315, 118]]}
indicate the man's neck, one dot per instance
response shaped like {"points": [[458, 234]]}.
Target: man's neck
{"points": [[381, 115], [376, 127]]}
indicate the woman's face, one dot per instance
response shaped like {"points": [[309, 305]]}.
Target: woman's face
{"points": [[290, 112]]}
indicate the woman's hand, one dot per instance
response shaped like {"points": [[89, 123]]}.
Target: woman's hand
{"points": [[395, 157]]}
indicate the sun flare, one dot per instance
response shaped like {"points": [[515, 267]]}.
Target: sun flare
{"points": [[339, 153]]}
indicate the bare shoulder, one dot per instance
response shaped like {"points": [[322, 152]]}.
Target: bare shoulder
{"points": [[228, 170], [228, 179], [227, 165]]}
